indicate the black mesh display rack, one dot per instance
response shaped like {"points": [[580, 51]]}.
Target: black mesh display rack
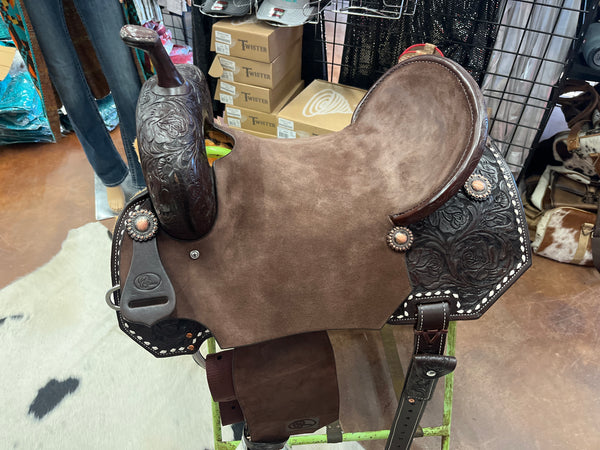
{"points": [[518, 51], [180, 26]]}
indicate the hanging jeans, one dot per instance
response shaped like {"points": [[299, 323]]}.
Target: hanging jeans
{"points": [[103, 20]]}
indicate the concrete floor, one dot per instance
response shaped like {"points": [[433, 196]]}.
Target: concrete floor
{"points": [[528, 374]]}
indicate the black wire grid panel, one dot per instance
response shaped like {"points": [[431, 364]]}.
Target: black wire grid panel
{"points": [[518, 51], [180, 26]]}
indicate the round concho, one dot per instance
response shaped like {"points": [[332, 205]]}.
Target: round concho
{"points": [[478, 187], [142, 225], [399, 239]]}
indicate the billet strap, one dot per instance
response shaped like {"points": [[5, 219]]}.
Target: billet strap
{"points": [[428, 365]]}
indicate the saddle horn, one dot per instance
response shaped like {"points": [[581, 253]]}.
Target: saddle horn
{"points": [[173, 108], [149, 41]]}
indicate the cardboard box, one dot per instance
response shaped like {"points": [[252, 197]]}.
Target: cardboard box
{"points": [[321, 108], [252, 120], [251, 39], [255, 97], [256, 133], [247, 71]]}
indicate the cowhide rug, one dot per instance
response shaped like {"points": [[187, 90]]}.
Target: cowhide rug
{"points": [[72, 380]]}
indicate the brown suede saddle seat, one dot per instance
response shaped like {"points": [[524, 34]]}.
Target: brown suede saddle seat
{"points": [[407, 216], [299, 240]]}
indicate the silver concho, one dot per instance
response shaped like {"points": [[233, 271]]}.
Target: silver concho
{"points": [[478, 187], [399, 239], [141, 225]]}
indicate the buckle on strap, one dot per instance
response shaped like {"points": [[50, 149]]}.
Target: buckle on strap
{"points": [[431, 337]]}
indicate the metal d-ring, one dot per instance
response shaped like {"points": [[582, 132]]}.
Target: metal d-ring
{"points": [[108, 297], [199, 359]]}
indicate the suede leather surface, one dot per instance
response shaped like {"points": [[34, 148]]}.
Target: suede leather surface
{"points": [[286, 386], [299, 242]]}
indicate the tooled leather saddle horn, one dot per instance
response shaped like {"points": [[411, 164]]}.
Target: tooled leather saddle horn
{"points": [[407, 216]]}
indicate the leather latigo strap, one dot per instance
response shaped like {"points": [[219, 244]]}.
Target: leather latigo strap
{"points": [[427, 366], [285, 386]]}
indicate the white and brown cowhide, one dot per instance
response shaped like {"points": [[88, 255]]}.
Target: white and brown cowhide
{"points": [[583, 158], [564, 234]]}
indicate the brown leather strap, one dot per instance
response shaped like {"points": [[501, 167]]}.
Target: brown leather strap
{"points": [[596, 230], [573, 137], [219, 367], [596, 240], [427, 366], [585, 237], [219, 375]]}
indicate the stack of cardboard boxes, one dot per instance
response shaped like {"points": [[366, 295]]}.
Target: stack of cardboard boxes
{"points": [[259, 71]]}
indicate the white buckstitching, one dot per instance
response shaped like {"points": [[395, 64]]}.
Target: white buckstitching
{"points": [[489, 299]]}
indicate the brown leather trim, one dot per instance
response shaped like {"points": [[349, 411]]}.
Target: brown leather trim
{"points": [[472, 152], [219, 367]]}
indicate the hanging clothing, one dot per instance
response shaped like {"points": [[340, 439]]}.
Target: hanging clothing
{"points": [[85, 51], [103, 20]]}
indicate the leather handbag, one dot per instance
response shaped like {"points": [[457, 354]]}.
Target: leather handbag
{"points": [[567, 192], [564, 234], [579, 148], [562, 215]]}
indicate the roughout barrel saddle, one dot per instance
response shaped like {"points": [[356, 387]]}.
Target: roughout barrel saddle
{"points": [[407, 216]]}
